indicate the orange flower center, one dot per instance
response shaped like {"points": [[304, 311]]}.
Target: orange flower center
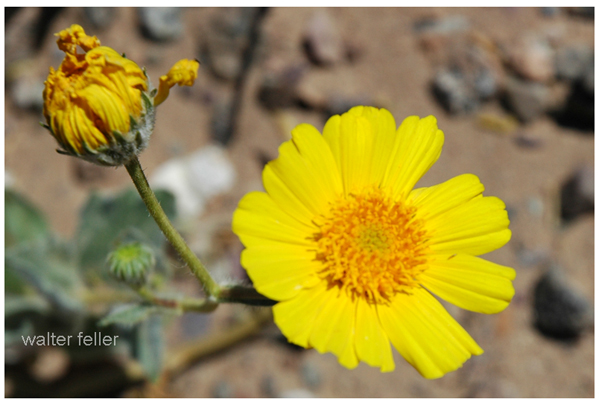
{"points": [[372, 247]]}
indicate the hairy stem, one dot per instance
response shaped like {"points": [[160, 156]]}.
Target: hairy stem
{"points": [[211, 288], [185, 304]]}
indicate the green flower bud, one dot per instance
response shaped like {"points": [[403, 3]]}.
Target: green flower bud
{"points": [[131, 263]]}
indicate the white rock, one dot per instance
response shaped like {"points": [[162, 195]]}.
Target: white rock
{"points": [[195, 178]]}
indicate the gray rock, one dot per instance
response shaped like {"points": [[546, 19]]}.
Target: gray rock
{"points": [[221, 123], [578, 194], [471, 76], [311, 375], [560, 311], [528, 100], [161, 23], [27, 93], [322, 41], [453, 91], [227, 39], [100, 17], [279, 88], [572, 62]]}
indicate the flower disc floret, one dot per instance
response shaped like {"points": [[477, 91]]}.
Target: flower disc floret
{"points": [[372, 247]]}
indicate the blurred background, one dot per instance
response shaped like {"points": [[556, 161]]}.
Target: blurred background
{"points": [[512, 88]]}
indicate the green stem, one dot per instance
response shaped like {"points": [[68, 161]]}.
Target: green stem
{"points": [[185, 304], [211, 288]]}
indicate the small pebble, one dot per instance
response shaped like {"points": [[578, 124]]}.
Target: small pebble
{"points": [[501, 124], [527, 141], [560, 311], [311, 375], [572, 61], [578, 194], [161, 23], [451, 90], [533, 59], [100, 17], [51, 364], [323, 43], [528, 100], [27, 93]]}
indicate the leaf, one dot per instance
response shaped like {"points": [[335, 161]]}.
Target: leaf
{"points": [[128, 314], [16, 304], [23, 221], [150, 347], [105, 219], [47, 265]]}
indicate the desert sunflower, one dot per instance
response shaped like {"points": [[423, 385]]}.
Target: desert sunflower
{"points": [[353, 253]]}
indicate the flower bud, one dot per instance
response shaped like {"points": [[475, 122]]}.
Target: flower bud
{"points": [[99, 105], [131, 263]]}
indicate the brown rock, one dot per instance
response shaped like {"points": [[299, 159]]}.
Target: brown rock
{"points": [[533, 59], [322, 41]]}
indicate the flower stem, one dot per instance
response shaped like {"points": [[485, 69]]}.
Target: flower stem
{"points": [[211, 288], [184, 305]]}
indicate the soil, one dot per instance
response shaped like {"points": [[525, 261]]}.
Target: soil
{"points": [[391, 68]]}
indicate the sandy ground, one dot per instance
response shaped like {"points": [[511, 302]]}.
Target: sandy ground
{"points": [[392, 69]]}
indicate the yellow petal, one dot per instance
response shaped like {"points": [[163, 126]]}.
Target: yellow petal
{"points": [[436, 200], [361, 140], [69, 38], [182, 73], [303, 180], [417, 147], [295, 317], [280, 270], [372, 344], [425, 334], [470, 282], [334, 328], [258, 216], [475, 227]]}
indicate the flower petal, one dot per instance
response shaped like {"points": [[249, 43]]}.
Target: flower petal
{"points": [[475, 227], [470, 282], [280, 270], [333, 329], [425, 334], [436, 200], [258, 216], [417, 147], [295, 317], [183, 73], [372, 344], [361, 141], [303, 179]]}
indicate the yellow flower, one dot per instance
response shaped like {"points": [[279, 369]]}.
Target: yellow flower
{"points": [[99, 105], [352, 252]]}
